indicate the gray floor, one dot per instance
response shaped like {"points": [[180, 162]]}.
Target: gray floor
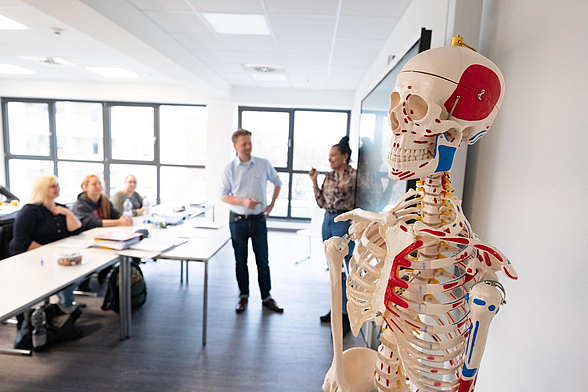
{"points": [[254, 351]]}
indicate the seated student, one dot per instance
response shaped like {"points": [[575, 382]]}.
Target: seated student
{"points": [[42, 221], [94, 209], [128, 193]]}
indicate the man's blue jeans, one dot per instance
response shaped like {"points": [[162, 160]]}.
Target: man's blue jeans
{"points": [[339, 229], [242, 229]]}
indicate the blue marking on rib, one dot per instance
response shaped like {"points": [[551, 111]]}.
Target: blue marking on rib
{"points": [[446, 155], [468, 297], [455, 224], [469, 373], [473, 341], [491, 308], [458, 210], [479, 301]]}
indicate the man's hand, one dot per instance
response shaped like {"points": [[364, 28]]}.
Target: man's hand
{"points": [[250, 203], [268, 209]]}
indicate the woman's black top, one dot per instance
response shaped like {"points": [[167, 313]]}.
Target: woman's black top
{"points": [[35, 222]]}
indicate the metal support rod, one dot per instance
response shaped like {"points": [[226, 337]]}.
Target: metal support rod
{"points": [[205, 305]]}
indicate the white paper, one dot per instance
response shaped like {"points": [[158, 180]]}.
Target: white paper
{"points": [[74, 243]]}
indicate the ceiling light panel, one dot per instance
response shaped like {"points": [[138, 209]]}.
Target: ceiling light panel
{"points": [[112, 72], [238, 24], [9, 24], [9, 69]]}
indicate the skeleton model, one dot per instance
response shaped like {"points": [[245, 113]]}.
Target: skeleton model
{"points": [[419, 270]]}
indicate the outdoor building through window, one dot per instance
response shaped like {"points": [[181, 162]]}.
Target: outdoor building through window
{"points": [[164, 146]]}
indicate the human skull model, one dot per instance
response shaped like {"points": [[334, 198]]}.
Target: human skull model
{"points": [[442, 97]]}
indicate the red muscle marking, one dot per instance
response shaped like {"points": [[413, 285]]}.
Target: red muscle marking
{"points": [[459, 240], [408, 96], [450, 285], [412, 325], [406, 121], [430, 358], [414, 133], [490, 250], [403, 228], [409, 119], [410, 88], [434, 232], [447, 231], [434, 371], [417, 124], [421, 141], [487, 259], [424, 164], [404, 131], [509, 275], [438, 121], [404, 111], [428, 130], [465, 385], [475, 79], [394, 281]]}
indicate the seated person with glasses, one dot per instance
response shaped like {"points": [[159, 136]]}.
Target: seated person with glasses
{"points": [[129, 192], [42, 221]]}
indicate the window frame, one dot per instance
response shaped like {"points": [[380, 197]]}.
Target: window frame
{"points": [[289, 166], [107, 159]]}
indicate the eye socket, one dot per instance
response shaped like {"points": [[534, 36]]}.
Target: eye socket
{"points": [[416, 107], [394, 99]]}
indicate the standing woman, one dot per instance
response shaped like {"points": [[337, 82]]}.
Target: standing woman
{"points": [[42, 221], [94, 209], [337, 196]]}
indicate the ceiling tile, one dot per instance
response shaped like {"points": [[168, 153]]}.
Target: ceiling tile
{"points": [[344, 80], [307, 70], [258, 43], [161, 5], [393, 8], [274, 84], [350, 60], [302, 26], [178, 22], [320, 59], [243, 83], [364, 27], [228, 6], [250, 57], [303, 7], [227, 67], [304, 45], [358, 46], [348, 71], [309, 86], [342, 87], [236, 77]]}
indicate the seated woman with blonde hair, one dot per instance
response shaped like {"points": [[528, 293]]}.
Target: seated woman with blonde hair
{"points": [[42, 221], [94, 209]]}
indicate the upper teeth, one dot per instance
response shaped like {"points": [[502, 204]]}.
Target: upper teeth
{"points": [[405, 155]]}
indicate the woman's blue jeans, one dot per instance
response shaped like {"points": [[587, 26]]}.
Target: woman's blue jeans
{"points": [[339, 229]]}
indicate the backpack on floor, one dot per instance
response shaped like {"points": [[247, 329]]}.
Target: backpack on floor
{"points": [[138, 289], [60, 326]]}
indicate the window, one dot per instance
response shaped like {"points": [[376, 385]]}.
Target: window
{"points": [[112, 140], [294, 141]]}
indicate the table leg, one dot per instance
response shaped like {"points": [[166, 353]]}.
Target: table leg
{"points": [[187, 265], [205, 305], [181, 271], [124, 292]]}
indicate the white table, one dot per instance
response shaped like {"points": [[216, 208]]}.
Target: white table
{"points": [[202, 244]]}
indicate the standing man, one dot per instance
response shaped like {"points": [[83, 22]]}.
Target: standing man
{"points": [[243, 186]]}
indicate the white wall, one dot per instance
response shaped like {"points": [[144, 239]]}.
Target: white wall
{"points": [[517, 195]]}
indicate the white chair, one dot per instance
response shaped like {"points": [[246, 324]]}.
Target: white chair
{"points": [[315, 230]]}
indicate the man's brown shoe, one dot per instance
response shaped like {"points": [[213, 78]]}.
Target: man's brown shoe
{"points": [[241, 306], [272, 305]]}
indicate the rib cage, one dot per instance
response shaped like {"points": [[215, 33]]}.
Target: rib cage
{"points": [[426, 308]]}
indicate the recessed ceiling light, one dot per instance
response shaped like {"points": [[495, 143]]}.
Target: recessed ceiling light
{"points": [[49, 61], [14, 70], [113, 72], [269, 77], [9, 24], [238, 24]]}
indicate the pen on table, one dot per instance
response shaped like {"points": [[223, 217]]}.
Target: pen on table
{"points": [[41, 263]]}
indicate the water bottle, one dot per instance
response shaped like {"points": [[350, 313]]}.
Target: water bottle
{"points": [[39, 321], [146, 206], [128, 208]]}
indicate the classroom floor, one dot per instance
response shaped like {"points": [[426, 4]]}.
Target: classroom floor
{"points": [[254, 351]]}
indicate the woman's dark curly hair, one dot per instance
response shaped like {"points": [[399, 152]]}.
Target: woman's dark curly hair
{"points": [[344, 148]]}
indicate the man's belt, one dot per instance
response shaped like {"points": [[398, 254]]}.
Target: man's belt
{"points": [[237, 217]]}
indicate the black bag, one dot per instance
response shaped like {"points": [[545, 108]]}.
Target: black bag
{"points": [[60, 326], [138, 289]]}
